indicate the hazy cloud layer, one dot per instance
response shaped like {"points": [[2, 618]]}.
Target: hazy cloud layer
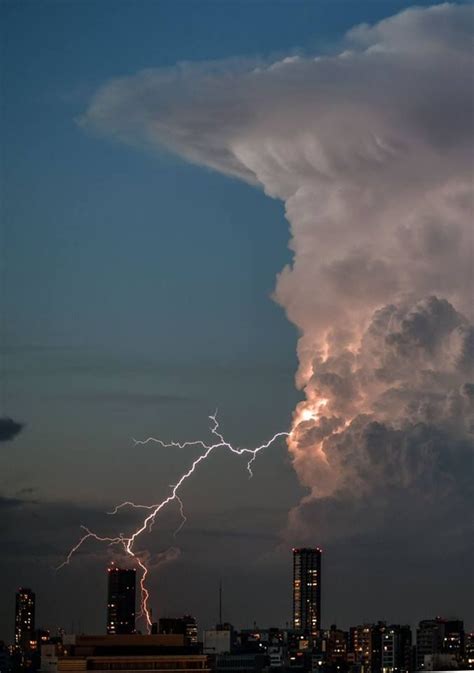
{"points": [[36, 535], [371, 151]]}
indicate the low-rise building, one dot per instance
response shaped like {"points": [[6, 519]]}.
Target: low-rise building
{"points": [[131, 653]]}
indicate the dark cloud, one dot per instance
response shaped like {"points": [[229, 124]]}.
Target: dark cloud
{"points": [[27, 490], [426, 326], [9, 429], [6, 503], [246, 534]]}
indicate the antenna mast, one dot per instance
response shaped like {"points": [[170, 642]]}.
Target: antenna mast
{"points": [[220, 602]]}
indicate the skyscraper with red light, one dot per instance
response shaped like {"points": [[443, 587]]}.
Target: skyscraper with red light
{"points": [[307, 589], [121, 600]]}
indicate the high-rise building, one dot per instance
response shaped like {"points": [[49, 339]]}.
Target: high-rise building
{"points": [[24, 618], [307, 589], [121, 600]]}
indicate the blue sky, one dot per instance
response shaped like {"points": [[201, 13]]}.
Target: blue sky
{"points": [[138, 287], [103, 241]]}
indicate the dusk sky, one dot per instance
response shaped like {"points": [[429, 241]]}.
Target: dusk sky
{"points": [[157, 160]]}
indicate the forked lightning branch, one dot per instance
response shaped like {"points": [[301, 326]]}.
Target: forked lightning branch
{"points": [[153, 511]]}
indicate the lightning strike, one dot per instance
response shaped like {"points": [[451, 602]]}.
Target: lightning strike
{"points": [[183, 516], [128, 543]]}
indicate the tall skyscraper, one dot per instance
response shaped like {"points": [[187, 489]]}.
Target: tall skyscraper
{"points": [[121, 600], [24, 618], [307, 589]]}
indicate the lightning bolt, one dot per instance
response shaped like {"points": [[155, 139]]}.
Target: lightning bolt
{"points": [[183, 516], [153, 511]]}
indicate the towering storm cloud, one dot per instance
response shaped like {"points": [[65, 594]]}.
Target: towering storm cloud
{"points": [[371, 151]]}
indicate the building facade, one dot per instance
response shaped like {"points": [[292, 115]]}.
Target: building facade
{"points": [[365, 645], [307, 589], [396, 649], [335, 645], [121, 600], [469, 651]]}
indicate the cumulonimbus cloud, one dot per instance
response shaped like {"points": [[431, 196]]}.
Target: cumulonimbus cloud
{"points": [[371, 151]]}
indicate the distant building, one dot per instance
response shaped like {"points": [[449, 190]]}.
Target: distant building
{"points": [[218, 641], [396, 649], [191, 630], [121, 600], [241, 663], [5, 659], [307, 589], [365, 645], [453, 638], [186, 626], [38, 638], [24, 618], [276, 656], [469, 651], [429, 637], [438, 636], [50, 653], [440, 662], [252, 640], [335, 645]]}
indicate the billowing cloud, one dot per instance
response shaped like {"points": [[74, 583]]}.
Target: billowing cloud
{"points": [[9, 429], [371, 151]]}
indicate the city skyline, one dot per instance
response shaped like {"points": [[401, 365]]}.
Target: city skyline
{"points": [[371, 647], [237, 309], [304, 611]]}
